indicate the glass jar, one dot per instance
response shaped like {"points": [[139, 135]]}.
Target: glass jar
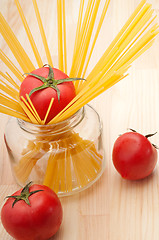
{"points": [[67, 156]]}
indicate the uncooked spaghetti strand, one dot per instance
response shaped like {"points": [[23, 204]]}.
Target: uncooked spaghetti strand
{"points": [[30, 146], [137, 47], [135, 33], [24, 167], [54, 176], [137, 54], [11, 66], [60, 34], [140, 46], [110, 56], [50, 169], [8, 90], [60, 180], [110, 81], [33, 108], [82, 35], [119, 37], [57, 172], [15, 46], [95, 163], [87, 39], [147, 7], [30, 37], [48, 110], [82, 171], [83, 144], [82, 43], [56, 183], [113, 57], [28, 161], [51, 178], [71, 105], [93, 93], [68, 171], [13, 113], [13, 92], [77, 170], [26, 164], [133, 53], [79, 23], [74, 167], [94, 152], [128, 36], [42, 32], [10, 103], [64, 36], [77, 158], [22, 172], [87, 167], [123, 64], [27, 109], [135, 40], [10, 80], [86, 159], [83, 101], [17, 54], [62, 166], [96, 34], [69, 108]]}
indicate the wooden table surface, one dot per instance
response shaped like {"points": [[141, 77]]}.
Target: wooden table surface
{"points": [[113, 208]]}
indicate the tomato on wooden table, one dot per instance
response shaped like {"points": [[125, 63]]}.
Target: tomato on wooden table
{"points": [[134, 157], [32, 213]]}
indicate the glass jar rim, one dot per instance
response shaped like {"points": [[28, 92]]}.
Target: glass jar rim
{"points": [[55, 128]]}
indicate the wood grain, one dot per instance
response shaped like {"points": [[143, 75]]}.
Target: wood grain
{"points": [[112, 209]]}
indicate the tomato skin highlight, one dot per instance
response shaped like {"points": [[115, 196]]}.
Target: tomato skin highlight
{"points": [[41, 99], [134, 157], [39, 221]]}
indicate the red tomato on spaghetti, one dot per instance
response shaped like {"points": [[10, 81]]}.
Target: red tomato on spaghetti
{"points": [[57, 86]]}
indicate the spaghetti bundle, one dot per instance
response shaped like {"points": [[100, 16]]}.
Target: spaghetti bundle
{"points": [[83, 158], [135, 37]]}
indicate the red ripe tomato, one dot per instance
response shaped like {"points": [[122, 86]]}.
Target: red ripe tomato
{"points": [[41, 98], [134, 157], [37, 216]]}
